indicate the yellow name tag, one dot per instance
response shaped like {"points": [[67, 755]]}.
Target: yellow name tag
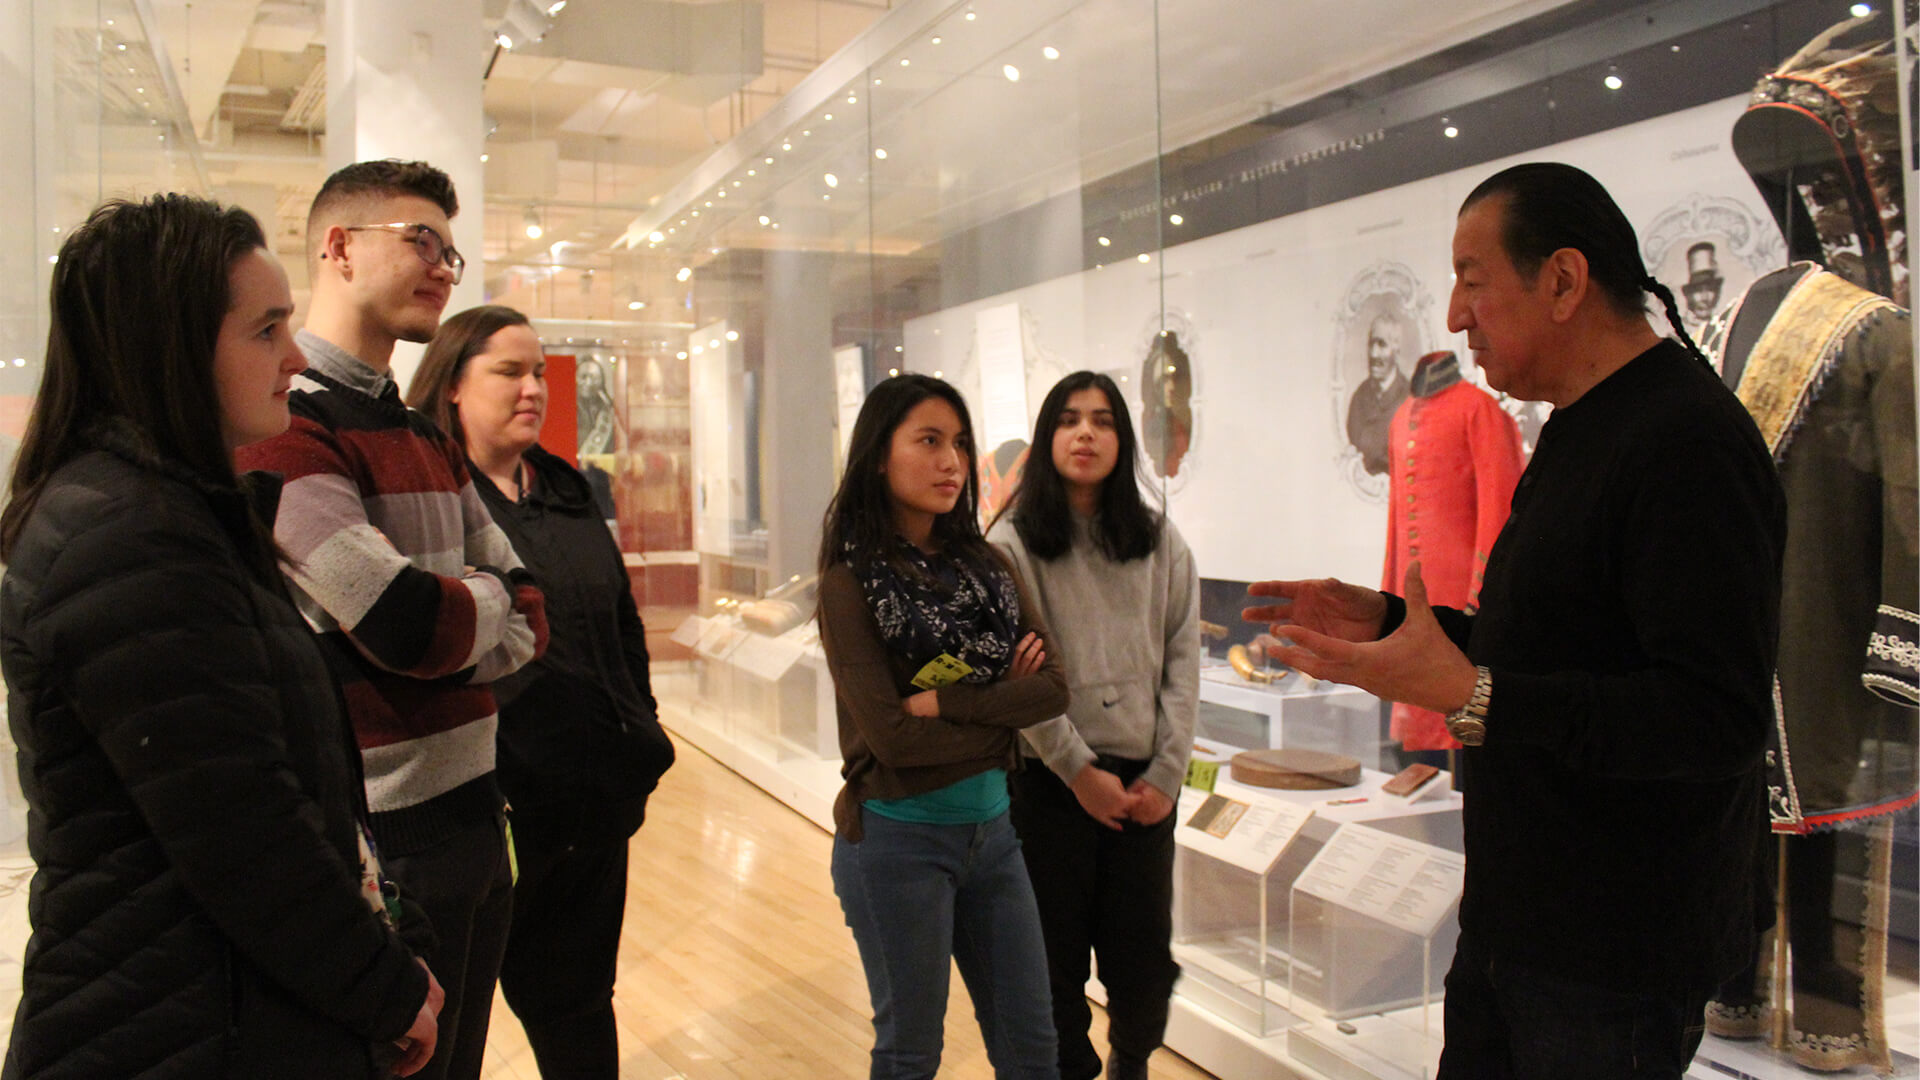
{"points": [[1201, 774], [942, 670]]}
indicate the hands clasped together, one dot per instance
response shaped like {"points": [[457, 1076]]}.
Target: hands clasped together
{"points": [[1334, 630]]}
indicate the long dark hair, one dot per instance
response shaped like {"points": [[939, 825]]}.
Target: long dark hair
{"points": [[458, 340], [1550, 206], [1127, 527], [860, 516], [139, 293]]}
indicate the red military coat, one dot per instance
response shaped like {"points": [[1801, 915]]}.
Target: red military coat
{"points": [[1453, 458]]}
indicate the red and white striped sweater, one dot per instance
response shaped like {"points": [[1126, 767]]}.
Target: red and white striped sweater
{"points": [[397, 564]]}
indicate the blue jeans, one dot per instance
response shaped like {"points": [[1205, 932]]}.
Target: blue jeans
{"points": [[1514, 1023], [915, 895]]}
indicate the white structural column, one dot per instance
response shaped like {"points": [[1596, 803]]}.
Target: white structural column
{"points": [[404, 80]]}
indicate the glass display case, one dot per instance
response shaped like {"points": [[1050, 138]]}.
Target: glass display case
{"points": [[1242, 214]]}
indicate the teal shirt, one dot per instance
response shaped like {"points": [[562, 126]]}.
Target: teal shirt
{"points": [[977, 799]]}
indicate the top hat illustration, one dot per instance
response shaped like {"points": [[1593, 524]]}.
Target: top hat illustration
{"points": [[1703, 268]]}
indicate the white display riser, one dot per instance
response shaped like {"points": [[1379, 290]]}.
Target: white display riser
{"points": [[1382, 1047]]}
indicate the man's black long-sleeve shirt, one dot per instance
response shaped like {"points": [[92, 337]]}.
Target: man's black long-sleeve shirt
{"points": [[1629, 618]]}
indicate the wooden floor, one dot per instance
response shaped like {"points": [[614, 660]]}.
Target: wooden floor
{"points": [[735, 962]]}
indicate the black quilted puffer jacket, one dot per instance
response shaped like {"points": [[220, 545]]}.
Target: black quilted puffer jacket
{"points": [[193, 798]]}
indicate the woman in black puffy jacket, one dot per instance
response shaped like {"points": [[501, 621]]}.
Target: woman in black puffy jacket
{"points": [[204, 904]]}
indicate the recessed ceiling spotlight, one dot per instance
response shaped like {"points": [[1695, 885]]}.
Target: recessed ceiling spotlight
{"points": [[1050, 53], [832, 180], [1012, 73], [880, 152], [971, 16], [1613, 82], [1104, 242], [1176, 219], [904, 62], [1450, 131], [733, 335], [1144, 257], [765, 220], [683, 273]]}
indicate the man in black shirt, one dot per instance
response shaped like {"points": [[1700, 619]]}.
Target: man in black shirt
{"points": [[1615, 688]]}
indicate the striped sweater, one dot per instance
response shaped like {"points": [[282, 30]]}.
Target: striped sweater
{"points": [[396, 563]]}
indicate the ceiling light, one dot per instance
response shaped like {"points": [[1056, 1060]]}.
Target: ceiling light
{"points": [[733, 335], [709, 203], [1613, 82], [681, 355], [936, 39], [656, 236], [532, 222], [736, 183], [696, 213], [1104, 242], [1175, 219], [893, 371], [852, 100], [828, 116], [880, 152], [876, 81], [765, 220], [769, 161], [555, 8], [684, 273], [750, 172], [784, 146], [636, 305], [904, 62], [899, 348], [832, 180], [776, 224], [1861, 11], [806, 132], [501, 39], [698, 349], [1050, 53], [826, 198], [1012, 73], [939, 374], [483, 159], [1450, 132], [971, 16], [19, 361], [713, 343], [1144, 257]]}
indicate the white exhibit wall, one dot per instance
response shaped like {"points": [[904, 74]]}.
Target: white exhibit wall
{"points": [[1273, 317]]}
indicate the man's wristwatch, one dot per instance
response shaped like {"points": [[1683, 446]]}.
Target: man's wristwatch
{"points": [[1468, 723]]}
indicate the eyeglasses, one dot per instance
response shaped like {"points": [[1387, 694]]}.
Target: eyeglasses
{"points": [[428, 244]]}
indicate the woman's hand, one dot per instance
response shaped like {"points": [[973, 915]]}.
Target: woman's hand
{"points": [[417, 1044], [924, 704], [1027, 657]]}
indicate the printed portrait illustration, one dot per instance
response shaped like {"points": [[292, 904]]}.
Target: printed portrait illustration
{"points": [[1379, 331]]}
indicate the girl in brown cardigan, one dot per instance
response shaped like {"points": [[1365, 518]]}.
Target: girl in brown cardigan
{"points": [[938, 658]]}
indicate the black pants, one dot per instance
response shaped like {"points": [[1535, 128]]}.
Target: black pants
{"points": [[559, 969], [1515, 1023], [465, 886], [1102, 891]]}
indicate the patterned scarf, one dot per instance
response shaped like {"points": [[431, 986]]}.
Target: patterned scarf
{"points": [[946, 605]]}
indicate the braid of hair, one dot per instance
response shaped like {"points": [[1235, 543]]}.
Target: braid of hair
{"points": [[1665, 296]]}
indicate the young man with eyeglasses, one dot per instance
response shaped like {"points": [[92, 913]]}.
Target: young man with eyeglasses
{"points": [[394, 560]]}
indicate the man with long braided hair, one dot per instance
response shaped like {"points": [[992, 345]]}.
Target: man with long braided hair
{"points": [[1615, 688]]}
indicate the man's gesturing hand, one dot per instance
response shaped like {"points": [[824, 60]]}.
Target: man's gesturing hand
{"points": [[1324, 605], [1416, 664]]}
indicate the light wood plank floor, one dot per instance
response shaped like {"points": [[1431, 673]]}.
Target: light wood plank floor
{"points": [[735, 963]]}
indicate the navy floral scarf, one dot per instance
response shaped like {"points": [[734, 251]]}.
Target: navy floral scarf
{"points": [[945, 605]]}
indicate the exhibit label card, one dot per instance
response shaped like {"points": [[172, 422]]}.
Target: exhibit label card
{"points": [[1238, 826], [688, 633], [767, 657], [1400, 882]]}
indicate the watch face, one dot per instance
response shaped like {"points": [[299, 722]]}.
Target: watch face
{"points": [[1471, 731]]}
